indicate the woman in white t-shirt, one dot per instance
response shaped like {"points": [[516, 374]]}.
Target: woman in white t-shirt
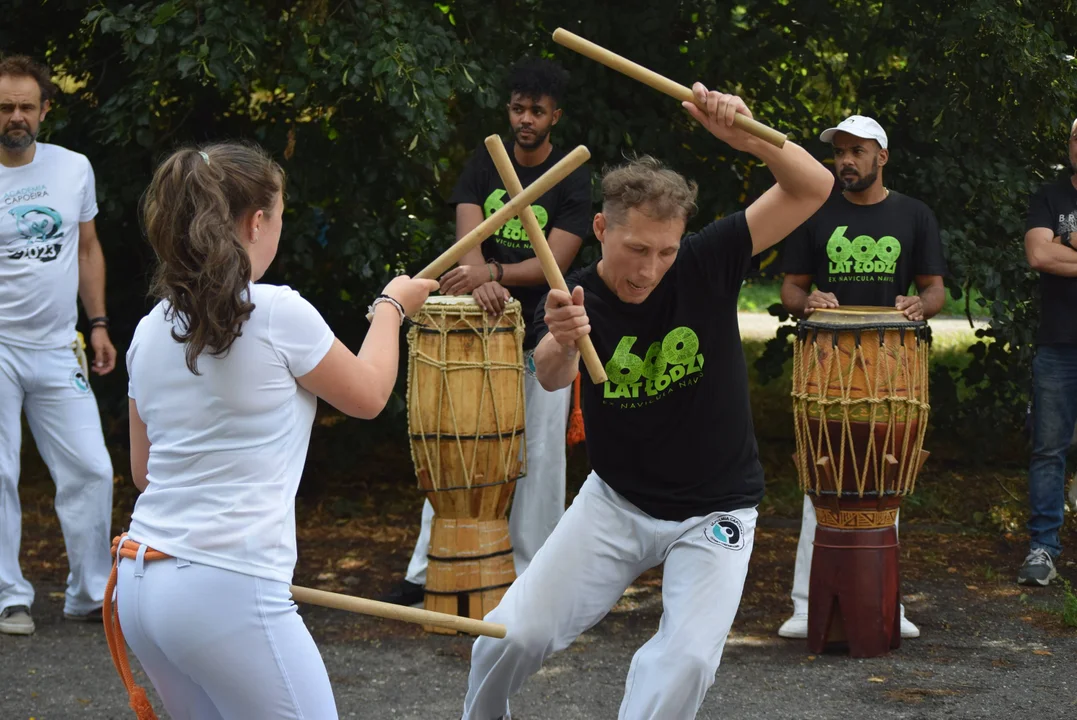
{"points": [[225, 375]]}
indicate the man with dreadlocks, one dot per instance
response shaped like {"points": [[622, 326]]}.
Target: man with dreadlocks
{"points": [[504, 264]]}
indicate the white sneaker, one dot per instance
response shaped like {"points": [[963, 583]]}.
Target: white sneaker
{"points": [[16, 620], [794, 627], [908, 630], [797, 627]]}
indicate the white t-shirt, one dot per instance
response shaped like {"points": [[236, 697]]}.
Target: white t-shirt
{"points": [[227, 447], [41, 206]]}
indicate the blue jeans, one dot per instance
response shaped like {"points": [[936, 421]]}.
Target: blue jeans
{"points": [[1054, 413]]}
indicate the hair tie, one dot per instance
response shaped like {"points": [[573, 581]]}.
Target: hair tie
{"points": [[204, 156]]}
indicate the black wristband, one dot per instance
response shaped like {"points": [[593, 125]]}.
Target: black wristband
{"points": [[1067, 240], [101, 321]]}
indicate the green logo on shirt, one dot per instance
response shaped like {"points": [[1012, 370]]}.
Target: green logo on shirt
{"points": [[862, 255], [666, 366], [36, 225], [512, 233]]}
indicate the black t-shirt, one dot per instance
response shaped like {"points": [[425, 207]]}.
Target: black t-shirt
{"points": [[866, 254], [566, 206], [671, 431], [1054, 206]]}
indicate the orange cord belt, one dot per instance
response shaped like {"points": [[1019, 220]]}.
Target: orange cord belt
{"points": [[124, 547], [576, 434]]}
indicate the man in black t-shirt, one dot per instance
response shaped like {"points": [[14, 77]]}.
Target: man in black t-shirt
{"points": [[1050, 242], [866, 246], [506, 265], [676, 474]]}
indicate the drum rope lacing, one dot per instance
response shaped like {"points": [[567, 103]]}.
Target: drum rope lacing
{"points": [[891, 363], [464, 315]]}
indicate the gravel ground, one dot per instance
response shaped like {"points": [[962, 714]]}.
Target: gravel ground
{"points": [[988, 650]]}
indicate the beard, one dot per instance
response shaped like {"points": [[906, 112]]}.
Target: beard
{"points": [[859, 184], [536, 141], [18, 142]]}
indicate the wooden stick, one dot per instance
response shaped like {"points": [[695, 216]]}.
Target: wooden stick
{"points": [[564, 167], [658, 82], [550, 269], [363, 606]]}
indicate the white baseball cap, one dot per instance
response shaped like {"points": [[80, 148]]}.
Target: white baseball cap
{"points": [[860, 126]]}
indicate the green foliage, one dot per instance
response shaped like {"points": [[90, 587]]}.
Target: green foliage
{"points": [[1069, 604], [373, 106], [976, 98]]}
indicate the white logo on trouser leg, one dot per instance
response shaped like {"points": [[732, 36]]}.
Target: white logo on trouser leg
{"points": [[726, 531]]}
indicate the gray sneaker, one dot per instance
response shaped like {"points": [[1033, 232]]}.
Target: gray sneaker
{"points": [[16, 620], [1038, 569]]}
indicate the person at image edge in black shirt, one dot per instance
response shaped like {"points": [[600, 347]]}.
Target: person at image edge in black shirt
{"points": [[1051, 249]]}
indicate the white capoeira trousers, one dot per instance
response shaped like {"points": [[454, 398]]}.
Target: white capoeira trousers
{"points": [[602, 544], [805, 551], [220, 645], [538, 501], [52, 387]]}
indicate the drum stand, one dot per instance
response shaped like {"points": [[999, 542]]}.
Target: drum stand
{"points": [[470, 564], [855, 588]]}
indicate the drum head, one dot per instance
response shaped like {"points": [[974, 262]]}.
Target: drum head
{"points": [[455, 302], [462, 305], [450, 300], [859, 316]]}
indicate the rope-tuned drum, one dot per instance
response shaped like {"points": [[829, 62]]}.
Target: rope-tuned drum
{"points": [[860, 411], [466, 424], [860, 408]]}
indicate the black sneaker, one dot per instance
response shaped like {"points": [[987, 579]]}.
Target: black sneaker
{"points": [[94, 616], [406, 593], [1038, 569]]}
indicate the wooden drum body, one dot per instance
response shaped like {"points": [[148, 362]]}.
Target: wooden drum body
{"points": [[860, 410], [466, 426]]}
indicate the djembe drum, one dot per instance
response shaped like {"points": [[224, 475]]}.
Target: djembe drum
{"points": [[860, 407], [466, 423]]}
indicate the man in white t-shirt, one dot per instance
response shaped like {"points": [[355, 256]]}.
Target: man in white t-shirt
{"points": [[49, 252]]}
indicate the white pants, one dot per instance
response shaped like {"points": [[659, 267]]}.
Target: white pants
{"points": [[62, 413], [539, 499], [805, 550], [599, 548], [219, 645]]}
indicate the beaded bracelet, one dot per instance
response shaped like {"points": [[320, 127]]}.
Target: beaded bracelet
{"points": [[392, 301]]}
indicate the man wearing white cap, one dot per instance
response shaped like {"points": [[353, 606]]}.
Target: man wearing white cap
{"points": [[905, 236]]}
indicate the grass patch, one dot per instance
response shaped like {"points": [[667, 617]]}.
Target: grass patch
{"points": [[1069, 604], [758, 295]]}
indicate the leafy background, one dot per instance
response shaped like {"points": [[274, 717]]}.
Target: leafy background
{"points": [[372, 106]]}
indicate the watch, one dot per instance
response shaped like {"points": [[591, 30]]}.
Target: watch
{"points": [[1066, 240]]}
